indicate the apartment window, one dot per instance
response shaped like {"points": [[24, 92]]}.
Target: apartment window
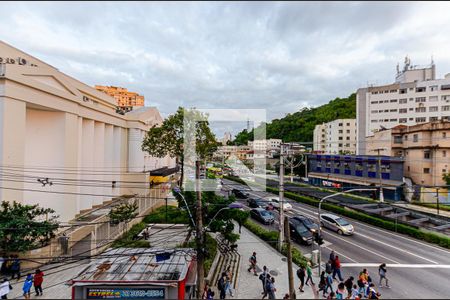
{"points": [[421, 120], [386, 101], [446, 108], [403, 110], [426, 154], [434, 98], [341, 124], [374, 111], [403, 101], [340, 145], [421, 99], [402, 120], [433, 88], [444, 135], [340, 138], [393, 101], [434, 108], [374, 102], [445, 87], [348, 130], [415, 138], [444, 171], [347, 138], [432, 119], [444, 153], [393, 110], [393, 120], [341, 131], [386, 110], [426, 170], [411, 119], [393, 91], [398, 139], [445, 97], [408, 169], [402, 91], [411, 109], [421, 109], [421, 89], [374, 121], [347, 145]]}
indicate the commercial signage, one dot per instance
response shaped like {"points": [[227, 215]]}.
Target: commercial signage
{"points": [[331, 184], [125, 293]]}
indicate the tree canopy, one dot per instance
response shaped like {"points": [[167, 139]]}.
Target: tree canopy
{"points": [[25, 227], [299, 126]]}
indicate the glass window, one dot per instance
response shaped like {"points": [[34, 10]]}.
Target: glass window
{"points": [[434, 98], [403, 110], [342, 222], [421, 109], [415, 138], [421, 119], [402, 120], [446, 108], [426, 170], [403, 101], [434, 108], [421, 99]]}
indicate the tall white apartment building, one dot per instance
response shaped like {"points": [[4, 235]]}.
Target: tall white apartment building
{"points": [[335, 137], [265, 145], [415, 97]]}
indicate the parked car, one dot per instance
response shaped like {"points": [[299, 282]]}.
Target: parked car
{"points": [[299, 232], [257, 203], [336, 223], [240, 194], [308, 223], [262, 215], [275, 202]]}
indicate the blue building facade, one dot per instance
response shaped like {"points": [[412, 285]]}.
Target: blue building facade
{"points": [[357, 170]]}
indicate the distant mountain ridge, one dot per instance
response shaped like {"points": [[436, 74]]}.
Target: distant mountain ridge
{"points": [[299, 126]]}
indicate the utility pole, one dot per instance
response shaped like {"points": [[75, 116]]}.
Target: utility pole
{"points": [[287, 236], [437, 200], [281, 196], [199, 234]]}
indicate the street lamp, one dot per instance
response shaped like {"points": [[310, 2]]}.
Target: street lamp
{"points": [[178, 191], [320, 206], [234, 205]]}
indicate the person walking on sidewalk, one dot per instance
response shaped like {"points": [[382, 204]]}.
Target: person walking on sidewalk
{"points": [[27, 284], [5, 288], [264, 276], [337, 269], [329, 283], [221, 285], [15, 268], [38, 280], [348, 285], [252, 261], [332, 259], [228, 283], [309, 274], [322, 283], [382, 272], [329, 267], [301, 276], [271, 288]]}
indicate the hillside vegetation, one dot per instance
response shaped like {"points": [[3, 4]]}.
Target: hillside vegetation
{"points": [[299, 126]]}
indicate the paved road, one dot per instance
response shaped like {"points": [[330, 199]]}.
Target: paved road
{"points": [[416, 269]]}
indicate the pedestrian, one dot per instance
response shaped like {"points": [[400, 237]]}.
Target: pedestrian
{"points": [[358, 297], [372, 294], [8, 264], [309, 274], [252, 261], [146, 233], [286, 296], [301, 275], [228, 283], [211, 294], [5, 288], [205, 291], [328, 267], [15, 268], [2, 260], [332, 255], [221, 285], [337, 269], [340, 291], [382, 272], [264, 276], [331, 296], [348, 285], [38, 280], [27, 284], [329, 283], [355, 292], [322, 283], [363, 281], [271, 288]]}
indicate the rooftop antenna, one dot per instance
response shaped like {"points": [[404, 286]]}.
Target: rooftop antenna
{"points": [[248, 125]]}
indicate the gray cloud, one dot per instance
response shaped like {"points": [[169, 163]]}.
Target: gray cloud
{"points": [[281, 56]]}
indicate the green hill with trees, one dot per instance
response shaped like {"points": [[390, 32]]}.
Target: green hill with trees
{"points": [[299, 126]]}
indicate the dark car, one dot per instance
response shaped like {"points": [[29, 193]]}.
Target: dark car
{"points": [[299, 232], [257, 203], [308, 223], [239, 194], [262, 215]]}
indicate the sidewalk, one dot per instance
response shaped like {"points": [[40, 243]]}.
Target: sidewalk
{"points": [[249, 286]]}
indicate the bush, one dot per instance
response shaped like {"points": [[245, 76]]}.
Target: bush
{"points": [[174, 216], [211, 250], [128, 239]]}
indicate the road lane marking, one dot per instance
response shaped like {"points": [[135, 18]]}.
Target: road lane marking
{"points": [[365, 249], [413, 266], [396, 248]]}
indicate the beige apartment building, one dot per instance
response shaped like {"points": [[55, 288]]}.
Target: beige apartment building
{"points": [[335, 137], [123, 97], [56, 129], [416, 97], [424, 147]]}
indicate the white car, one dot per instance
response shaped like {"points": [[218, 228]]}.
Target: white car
{"points": [[275, 202], [336, 223]]}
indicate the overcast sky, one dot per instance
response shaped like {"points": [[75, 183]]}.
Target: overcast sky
{"points": [[273, 55]]}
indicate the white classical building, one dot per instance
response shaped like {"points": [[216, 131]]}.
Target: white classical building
{"points": [[415, 97], [335, 137], [56, 129]]}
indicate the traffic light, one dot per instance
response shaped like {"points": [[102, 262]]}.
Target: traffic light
{"points": [[318, 238]]}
